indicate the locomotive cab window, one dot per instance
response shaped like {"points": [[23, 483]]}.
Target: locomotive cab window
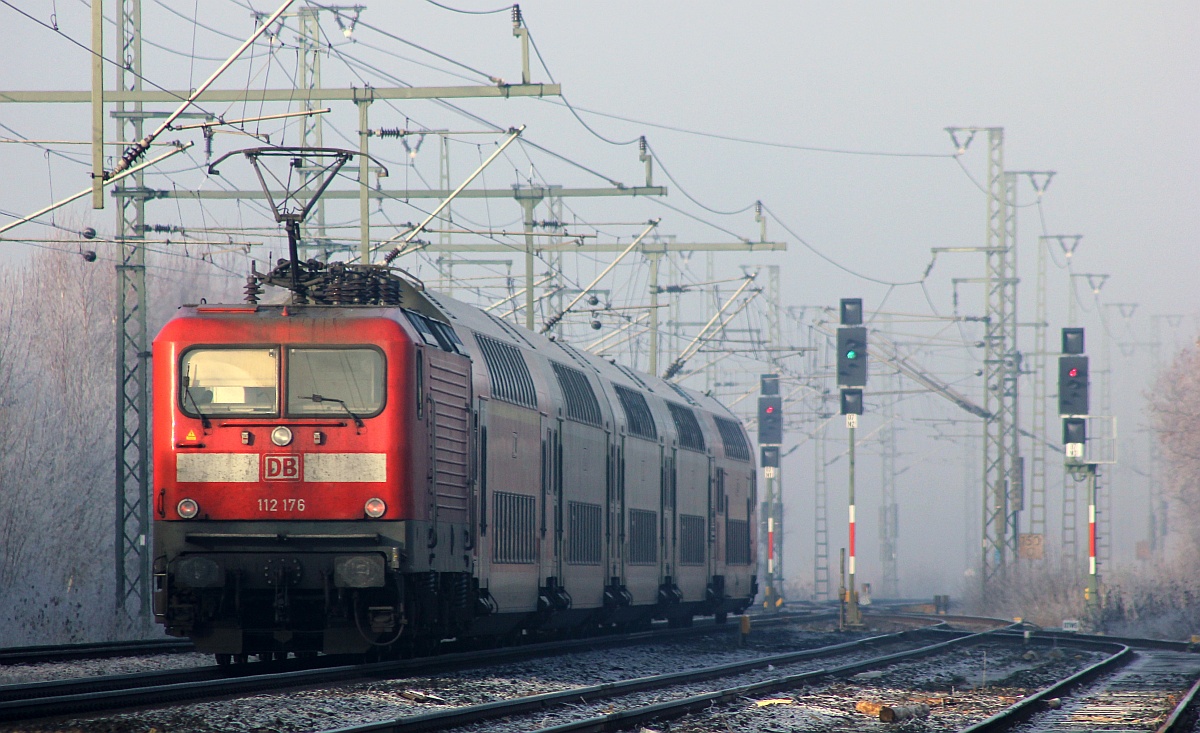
{"points": [[229, 382], [334, 382]]}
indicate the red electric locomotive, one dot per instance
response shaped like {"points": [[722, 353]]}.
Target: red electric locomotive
{"points": [[341, 477]]}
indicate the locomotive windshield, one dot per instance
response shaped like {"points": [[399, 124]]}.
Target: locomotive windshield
{"points": [[230, 381], [334, 381]]}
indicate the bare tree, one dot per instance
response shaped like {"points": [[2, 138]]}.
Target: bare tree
{"points": [[57, 383], [1175, 409]]}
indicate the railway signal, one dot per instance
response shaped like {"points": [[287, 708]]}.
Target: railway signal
{"points": [[1074, 432], [852, 356], [852, 402], [1072, 385], [850, 311], [851, 377], [1072, 341], [770, 420], [770, 456], [1073, 407], [770, 436]]}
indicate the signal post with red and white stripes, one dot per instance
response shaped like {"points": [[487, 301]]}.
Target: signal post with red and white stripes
{"points": [[1073, 407], [851, 377]]}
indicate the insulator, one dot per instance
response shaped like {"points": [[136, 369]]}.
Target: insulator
{"points": [[516, 15], [593, 300], [252, 289], [88, 255], [89, 233], [339, 284], [596, 325]]}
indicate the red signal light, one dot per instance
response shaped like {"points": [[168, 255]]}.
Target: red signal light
{"points": [[1073, 372], [770, 410]]}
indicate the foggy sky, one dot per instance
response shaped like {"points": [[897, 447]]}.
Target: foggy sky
{"points": [[1103, 93]]}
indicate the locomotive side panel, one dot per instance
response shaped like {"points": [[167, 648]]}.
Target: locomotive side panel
{"points": [[440, 464]]}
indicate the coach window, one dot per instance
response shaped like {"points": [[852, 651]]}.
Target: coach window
{"points": [[332, 382], [229, 382]]}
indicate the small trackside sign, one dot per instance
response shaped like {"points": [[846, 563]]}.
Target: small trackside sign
{"points": [[277, 467]]}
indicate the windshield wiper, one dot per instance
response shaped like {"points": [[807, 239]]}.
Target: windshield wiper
{"points": [[203, 418], [320, 398]]}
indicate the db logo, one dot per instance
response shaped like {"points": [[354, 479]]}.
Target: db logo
{"points": [[281, 468]]}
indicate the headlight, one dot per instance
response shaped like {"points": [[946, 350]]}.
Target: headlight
{"points": [[187, 508], [375, 508], [281, 435]]}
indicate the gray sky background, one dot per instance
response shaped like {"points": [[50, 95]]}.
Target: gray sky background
{"points": [[1103, 93]]}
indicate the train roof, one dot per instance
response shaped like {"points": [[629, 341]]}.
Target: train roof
{"points": [[457, 313]]}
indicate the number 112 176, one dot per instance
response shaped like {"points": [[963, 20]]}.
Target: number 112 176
{"points": [[281, 505]]}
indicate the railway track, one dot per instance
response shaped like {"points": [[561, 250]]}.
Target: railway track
{"points": [[97, 650], [55, 699], [1109, 686], [1142, 690], [550, 704]]}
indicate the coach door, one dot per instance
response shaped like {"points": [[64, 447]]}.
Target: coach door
{"points": [[479, 498], [716, 519], [668, 502], [615, 526], [550, 523]]}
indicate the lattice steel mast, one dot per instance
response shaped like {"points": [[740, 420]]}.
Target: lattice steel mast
{"points": [[1001, 451], [889, 508], [132, 347]]}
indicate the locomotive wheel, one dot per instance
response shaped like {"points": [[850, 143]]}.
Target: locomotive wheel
{"points": [[223, 660], [721, 617], [241, 658]]}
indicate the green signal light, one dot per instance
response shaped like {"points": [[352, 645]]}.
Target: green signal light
{"points": [[851, 354]]}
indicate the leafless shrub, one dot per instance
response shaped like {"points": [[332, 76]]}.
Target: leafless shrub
{"points": [[57, 468], [1042, 593], [1175, 410]]}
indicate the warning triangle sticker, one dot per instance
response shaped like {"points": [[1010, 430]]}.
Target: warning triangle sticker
{"points": [[191, 435]]}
